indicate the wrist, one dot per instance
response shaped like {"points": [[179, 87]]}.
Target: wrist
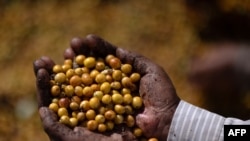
{"points": [[167, 120]]}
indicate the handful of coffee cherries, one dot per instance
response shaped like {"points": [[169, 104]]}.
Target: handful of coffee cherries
{"points": [[100, 94]]}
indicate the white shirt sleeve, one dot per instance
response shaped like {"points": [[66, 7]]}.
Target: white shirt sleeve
{"points": [[191, 123]]}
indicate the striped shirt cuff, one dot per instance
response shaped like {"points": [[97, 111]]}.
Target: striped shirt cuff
{"points": [[191, 123]]}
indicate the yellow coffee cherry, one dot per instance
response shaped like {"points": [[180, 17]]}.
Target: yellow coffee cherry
{"points": [[126, 68], [137, 132], [94, 103], [64, 119], [105, 87], [137, 102], [100, 118], [153, 139], [89, 62], [110, 125], [87, 91], [62, 111], [92, 125], [78, 91], [69, 90], [55, 90], [130, 121], [119, 109], [79, 59], [119, 119], [110, 115], [117, 98], [60, 78], [57, 69], [84, 105], [127, 98], [102, 127], [106, 99], [90, 114], [73, 121], [54, 107]]}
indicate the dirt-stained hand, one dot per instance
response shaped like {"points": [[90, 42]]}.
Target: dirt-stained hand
{"points": [[156, 89]]}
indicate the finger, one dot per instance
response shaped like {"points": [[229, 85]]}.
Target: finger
{"points": [[52, 127], [140, 63], [69, 54], [43, 87], [80, 46], [99, 46], [44, 62]]}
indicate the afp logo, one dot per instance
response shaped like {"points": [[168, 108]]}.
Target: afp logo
{"points": [[236, 132]]}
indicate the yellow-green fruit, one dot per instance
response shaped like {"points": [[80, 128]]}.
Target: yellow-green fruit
{"points": [[84, 105], [68, 62], [135, 77], [110, 125], [98, 94], [117, 75], [110, 115], [94, 103], [79, 59], [126, 68], [117, 98], [64, 119], [100, 78], [115, 85], [100, 66], [92, 125], [66, 67], [119, 109], [78, 91], [108, 57], [54, 107], [90, 114], [73, 121], [127, 98], [128, 109], [106, 99], [89, 62], [100, 118], [70, 73], [62, 111], [55, 90], [137, 102], [74, 106], [57, 68], [87, 91], [78, 71], [80, 116], [102, 127], [119, 119], [69, 90], [130, 121], [105, 87], [60, 78], [137, 132]]}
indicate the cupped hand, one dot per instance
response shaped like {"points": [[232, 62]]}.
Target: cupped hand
{"points": [[156, 89]]}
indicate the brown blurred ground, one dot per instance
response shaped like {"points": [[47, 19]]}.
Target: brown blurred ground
{"points": [[163, 31]]}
